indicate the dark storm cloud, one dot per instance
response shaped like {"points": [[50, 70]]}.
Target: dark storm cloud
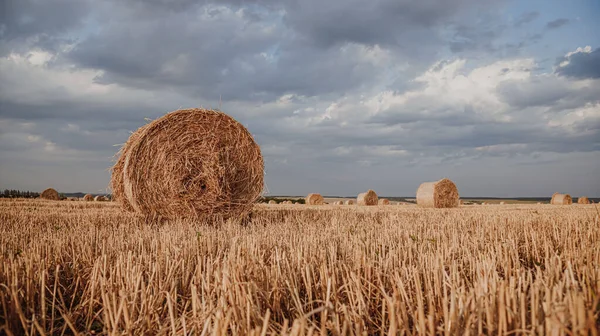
{"points": [[580, 65], [210, 51], [557, 23], [43, 21]]}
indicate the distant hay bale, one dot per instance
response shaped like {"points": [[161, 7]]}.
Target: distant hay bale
{"points": [[272, 202], [189, 163], [315, 199], [88, 197], [583, 200], [100, 198], [502, 203], [439, 194], [460, 202], [349, 202], [539, 202], [339, 203], [383, 201], [50, 194], [367, 198], [561, 199]]}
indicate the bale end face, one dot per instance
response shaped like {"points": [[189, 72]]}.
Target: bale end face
{"points": [[189, 163], [438, 194], [368, 198], [583, 200], [561, 199], [314, 199], [50, 194]]}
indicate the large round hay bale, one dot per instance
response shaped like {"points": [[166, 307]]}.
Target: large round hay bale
{"points": [[314, 199], [561, 199], [583, 200], [88, 197], [383, 201], [367, 198], [349, 202], [439, 194], [50, 194], [189, 163]]}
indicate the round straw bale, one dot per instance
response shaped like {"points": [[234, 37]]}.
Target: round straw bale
{"points": [[50, 194], [349, 202], [439, 194], [561, 199], [502, 203], [338, 202], [189, 163], [314, 199], [367, 198], [100, 198], [383, 201], [272, 202], [88, 197], [583, 200]]}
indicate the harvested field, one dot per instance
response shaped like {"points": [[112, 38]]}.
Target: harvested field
{"points": [[90, 267]]}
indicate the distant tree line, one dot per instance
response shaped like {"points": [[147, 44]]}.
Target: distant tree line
{"points": [[19, 194]]}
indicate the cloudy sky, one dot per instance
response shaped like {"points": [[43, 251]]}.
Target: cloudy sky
{"points": [[503, 97]]}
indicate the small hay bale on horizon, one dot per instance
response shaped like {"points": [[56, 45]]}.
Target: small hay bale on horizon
{"points": [[88, 197], [50, 194], [383, 201], [314, 199], [438, 194], [368, 198], [100, 198], [349, 202], [502, 203], [583, 200], [272, 202], [189, 163], [561, 199]]}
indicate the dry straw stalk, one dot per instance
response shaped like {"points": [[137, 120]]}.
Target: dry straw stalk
{"points": [[189, 163], [439, 194]]}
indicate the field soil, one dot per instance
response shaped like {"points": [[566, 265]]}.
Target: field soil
{"points": [[87, 268]]}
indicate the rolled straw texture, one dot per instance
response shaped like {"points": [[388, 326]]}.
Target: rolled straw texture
{"points": [[189, 163], [561, 199], [384, 201], [583, 200], [439, 194], [314, 199], [50, 194], [367, 198]]}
